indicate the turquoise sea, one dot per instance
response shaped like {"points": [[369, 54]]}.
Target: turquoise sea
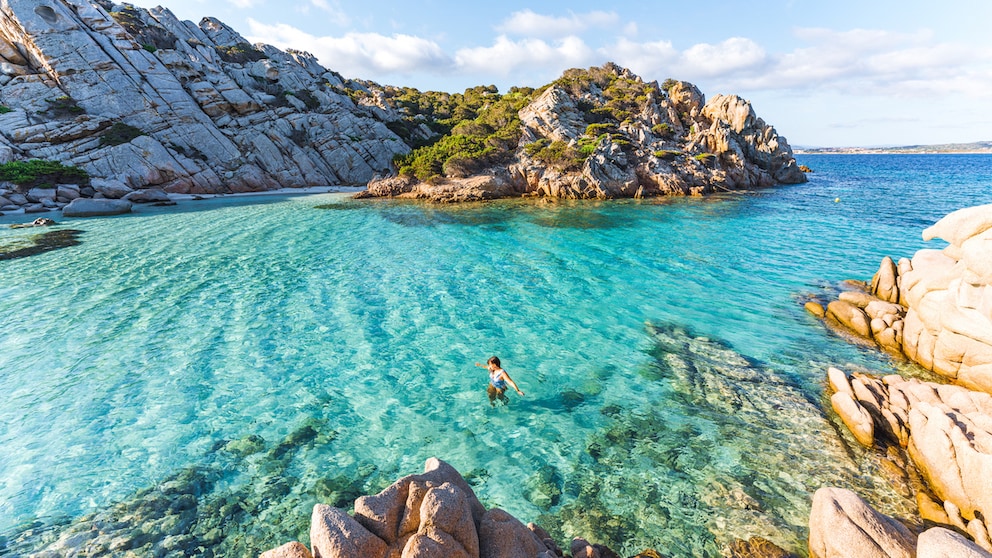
{"points": [[191, 380]]}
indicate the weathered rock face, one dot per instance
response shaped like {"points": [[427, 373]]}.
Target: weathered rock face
{"points": [[213, 114], [432, 514], [841, 524], [626, 138], [936, 308], [947, 432]]}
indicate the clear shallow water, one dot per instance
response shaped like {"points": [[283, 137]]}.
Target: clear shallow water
{"points": [[338, 338]]}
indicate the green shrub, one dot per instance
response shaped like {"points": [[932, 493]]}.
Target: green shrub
{"points": [[240, 53], [149, 48], [63, 106], [667, 154], [119, 133], [41, 173], [308, 99], [663, 130], [4, 109], [599, 129], [559, 155], [668, 84], [705, 158], [534, 147]]}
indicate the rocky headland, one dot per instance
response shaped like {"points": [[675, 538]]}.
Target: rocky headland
{"points": [[109, 101], [598, 133], [935, 310]]}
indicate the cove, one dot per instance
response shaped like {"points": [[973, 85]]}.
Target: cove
{"points": [[212, 371]]}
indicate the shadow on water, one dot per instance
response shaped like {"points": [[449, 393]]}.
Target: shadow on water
{"points": [[41, 243]]}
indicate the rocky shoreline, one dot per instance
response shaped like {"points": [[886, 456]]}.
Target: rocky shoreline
{"points": [[934, 310]]}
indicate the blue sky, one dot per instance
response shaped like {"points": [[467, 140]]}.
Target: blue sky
{"points": [[824, 73]]}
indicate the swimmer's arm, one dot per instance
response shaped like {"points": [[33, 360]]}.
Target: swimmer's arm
{"points": [[510, 381]]}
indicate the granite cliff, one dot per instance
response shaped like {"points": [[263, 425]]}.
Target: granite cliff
{"points": [[138, 100]]}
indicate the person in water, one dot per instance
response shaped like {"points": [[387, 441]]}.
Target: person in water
{"points": [[498, 381]]}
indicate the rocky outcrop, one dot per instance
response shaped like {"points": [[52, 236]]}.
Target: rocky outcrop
{"points": [[138, 98], [435, 513], [935, 309], [616, 136], [945, 429], [84, 207], [842, 525]]}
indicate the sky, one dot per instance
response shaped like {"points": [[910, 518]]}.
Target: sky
{"points": [[824, 73]]}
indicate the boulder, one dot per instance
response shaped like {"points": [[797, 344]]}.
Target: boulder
{"points": [[503, 536], [884, 284], [335, 534], [288, 550], [151, 195], [851, 317], [938, 542], [38, 194], [857, 419], [110, 188], [446, 525], [842, 525], [86, 207]]}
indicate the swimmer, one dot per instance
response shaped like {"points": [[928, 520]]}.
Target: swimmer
{"points": [[498, 381]]}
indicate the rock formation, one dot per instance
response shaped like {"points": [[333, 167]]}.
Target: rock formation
{"points": [[842, 525], [435, 513], [935, 309], [139, 99], [946, 431], [604, 133]]}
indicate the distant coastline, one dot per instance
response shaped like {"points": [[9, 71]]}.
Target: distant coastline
{"points": [[978, 147]]}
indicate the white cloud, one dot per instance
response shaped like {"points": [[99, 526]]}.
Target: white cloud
{"points": [[358, 54], [244, 4], [527, 23], [506, 56], [333, 10], [733, 55]]}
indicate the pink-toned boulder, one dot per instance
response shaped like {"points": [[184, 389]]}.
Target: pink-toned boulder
{"points": [[288, 550], [842, 525], [394, 514], [446, 523], [335, 534], [503, 536], [944, 543]]}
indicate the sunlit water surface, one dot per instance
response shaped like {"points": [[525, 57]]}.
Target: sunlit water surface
{"points": [[334, 342]]}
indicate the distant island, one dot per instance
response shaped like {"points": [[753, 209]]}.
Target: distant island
{"points": [[973, 147]]}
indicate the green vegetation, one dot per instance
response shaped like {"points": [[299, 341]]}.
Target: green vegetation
{"points": [[149, 48], [625, 95], [63, 106], [240, 53], [4, 109], [663, 130], [119, 133], [667, 154], [556, 154], [41, 174], [667, 85], [477, 129], [308, 99]]}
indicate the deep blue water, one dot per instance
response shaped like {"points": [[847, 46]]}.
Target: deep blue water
{"points": [[341, 336]]}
